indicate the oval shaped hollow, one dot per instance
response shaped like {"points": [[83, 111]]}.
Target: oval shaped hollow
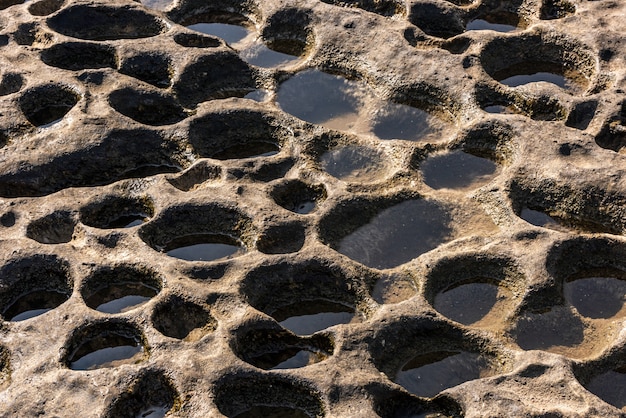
{"points": [[597, 294], [105, 345], [473, 302], [182, 319], [399, 121], [307, 317], [56, 228], [458, 170], [194, 40], [530, 58], [204, 247], [103, 23], [80, 56], [431, 373], [45, 7], [610, 387], [354, 163], [120, 288], [150, 108], [34, 285], [153, 68], [394, 235], [48, 103], [298, 196], [113, 212]]}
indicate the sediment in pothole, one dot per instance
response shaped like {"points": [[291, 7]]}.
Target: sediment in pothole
{"points": [[322, 209]]}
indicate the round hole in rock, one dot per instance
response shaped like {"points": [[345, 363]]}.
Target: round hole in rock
{"points": [[80, 56], [248, 395], [234, 134], [613, 134], [298, 196], [182, 319], [11, 83], [150, 108], [33, 286], [381, 7], [389, 235], [56, 228], [8, 219], [204, 247], [310, 316], [194, 40], [430, 373], [151, 67], [321, 98], [231, 33], [441, 19], [458, 170], [196, 175], [597, 294], [354, 163], [150, 395], [45, 7], [530, 58], [120, 289], [103, 22], [113, 212], [282, 238], [498, 22], [610, 387], [104, 345], [48, 103], [399, 121], [275, 349]]}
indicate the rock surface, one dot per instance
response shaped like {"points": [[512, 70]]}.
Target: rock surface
{"points": [[415, 209]]}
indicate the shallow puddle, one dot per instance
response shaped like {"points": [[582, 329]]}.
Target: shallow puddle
{"points": [[541, 219], [610, 387], [34, 304], [302, 358], [353, 163], [109, 357], [398, 121], [263, 411], [431, 373], [533, 72], [231, 34], [308, 317], [204, 247], [321, 98], [157, 411], [398, 234], [483, 24], [458, 170], [258, 95], [474, 303], [121, 297], [260, 55], [128, 221], [499, 109], [596, 297]]}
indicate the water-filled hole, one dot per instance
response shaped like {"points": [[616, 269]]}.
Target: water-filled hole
{"points": [[230, 33], [150, 108], [102, 23], [56, 228], [430, 373], [119, 289], [183, 319], [204, 247], [247, 150], [440, 19], [381, 7], [397, 234], [542, 219], [354, 163], [34, 304], [299, 197], [472, 302], [458, 170], [48, 103], [310, 316], [117, 212], [498, 22], [399, 121], [79, 56], [321, 98], [610, 387], [105, 345], [599, 295]]}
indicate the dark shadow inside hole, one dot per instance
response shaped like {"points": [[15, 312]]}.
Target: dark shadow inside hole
{"points": [[56, 228], [204, 247], [152, 68], [44, 105], [194, 40], [33, 304], [581, 115], [121, 297], [309, 316], [299, 197], [79, 56], [182, 319], [265, 411], [549, 331], [247, 150], [107, 350], [610, 387]]}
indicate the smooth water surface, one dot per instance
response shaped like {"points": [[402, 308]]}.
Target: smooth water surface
{"points": [[121, 297], [596, 297], [431, 373], [398, 121], [353, 163], [482, 24], [231, 34], [398, 234], [556, 331], [521, 79], [128, 221], [33, 304], [610, 387], [109, 357], [541, 219], [302, 358], [470, 303], [156, 411], [204, 247], [458, 170], [308, 317]]}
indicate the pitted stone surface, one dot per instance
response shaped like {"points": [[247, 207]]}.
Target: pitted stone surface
{"points": [[400, 216]]}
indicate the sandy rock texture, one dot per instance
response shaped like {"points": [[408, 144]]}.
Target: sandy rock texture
{"points": [[360, 208]]}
